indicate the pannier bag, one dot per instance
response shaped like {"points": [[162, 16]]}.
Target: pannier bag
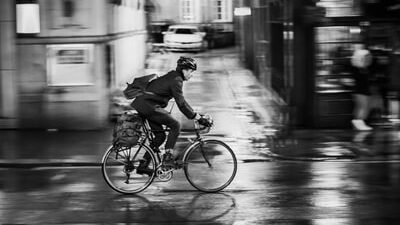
{"points": [[128, 130], [138, 86]]}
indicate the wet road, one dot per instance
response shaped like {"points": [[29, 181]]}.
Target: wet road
{"points": [[265, 190], [262, 193]]}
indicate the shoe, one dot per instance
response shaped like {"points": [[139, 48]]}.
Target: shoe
{"points": [[360, 125], [144, 170], [178, 164], [168, 159]]}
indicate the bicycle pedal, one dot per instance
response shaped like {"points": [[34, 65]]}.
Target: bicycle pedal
{"points": [[179, 164], [168, 167]]}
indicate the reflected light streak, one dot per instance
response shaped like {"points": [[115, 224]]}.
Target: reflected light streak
{"points": [[334, 180], [242, 222], [332, 221], [332, 150], [79, 187], [329, 198], [3, 201]]}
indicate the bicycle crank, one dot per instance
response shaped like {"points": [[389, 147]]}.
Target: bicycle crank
{"points": [[164, 175]]}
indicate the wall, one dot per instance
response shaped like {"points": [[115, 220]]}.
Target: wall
{"points": [[129, 50], [203, 12], [87, 18], [129, 59], [111, 38], [165, 10], [8, 91]]}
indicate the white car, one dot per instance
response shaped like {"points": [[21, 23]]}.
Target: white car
{"points": [[184, 37]]}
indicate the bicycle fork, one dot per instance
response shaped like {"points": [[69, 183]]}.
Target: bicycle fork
{"points": [[203, 153]]}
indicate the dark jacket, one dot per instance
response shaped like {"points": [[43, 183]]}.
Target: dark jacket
{"points": [[164, 88], [362, 78]]}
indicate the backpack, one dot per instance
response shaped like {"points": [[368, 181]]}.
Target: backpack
{"points": [[127, 130], [138, 86]]}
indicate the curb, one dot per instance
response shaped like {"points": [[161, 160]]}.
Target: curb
{"points": [[29, 163]]}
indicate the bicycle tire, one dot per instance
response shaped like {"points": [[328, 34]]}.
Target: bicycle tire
{"points": [[115, 169], [217, 173]]}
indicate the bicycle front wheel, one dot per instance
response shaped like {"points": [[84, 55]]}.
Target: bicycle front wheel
{"points": [[210, 165], [119, 168]]}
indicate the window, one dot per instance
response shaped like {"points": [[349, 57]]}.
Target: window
{"points": [[219, 9], [70, 65], [334, 47], [338, 8], [187, 11], [222, 10], [28, 17], [185, 31]]}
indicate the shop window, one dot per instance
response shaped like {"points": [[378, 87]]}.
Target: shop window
{"points": [[334, 47], [70, 65], [340, 8]]}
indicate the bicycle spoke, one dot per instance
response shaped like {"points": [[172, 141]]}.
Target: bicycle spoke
{"points": [[120, 170], [210, 166], [117, 163]]}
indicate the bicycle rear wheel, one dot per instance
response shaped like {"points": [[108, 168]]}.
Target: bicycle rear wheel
{"points": [[119, 168], [210, 165]]}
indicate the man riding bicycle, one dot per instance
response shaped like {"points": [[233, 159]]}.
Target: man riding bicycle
{"points": [[151, 106]]}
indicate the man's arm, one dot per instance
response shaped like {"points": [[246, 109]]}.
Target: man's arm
{"points": [[183, 106]]}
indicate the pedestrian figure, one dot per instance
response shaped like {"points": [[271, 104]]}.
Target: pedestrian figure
{"points": [[379, 86], [361, 62]]}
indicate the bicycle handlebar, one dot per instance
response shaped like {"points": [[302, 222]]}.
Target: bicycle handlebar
{"points": [[198, 128]]}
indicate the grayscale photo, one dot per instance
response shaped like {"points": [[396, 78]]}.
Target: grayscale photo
{"points": [[203, 112]]}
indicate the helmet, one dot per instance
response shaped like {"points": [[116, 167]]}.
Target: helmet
{"points": [[186, 63]]}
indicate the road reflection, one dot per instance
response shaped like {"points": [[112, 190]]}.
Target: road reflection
{"points": [[216, 208]]}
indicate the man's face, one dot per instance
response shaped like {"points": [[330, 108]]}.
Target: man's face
{"points": [[187, 73]]}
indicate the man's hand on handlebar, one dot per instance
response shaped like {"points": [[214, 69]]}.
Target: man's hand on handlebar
{"points": [[204, 120]]}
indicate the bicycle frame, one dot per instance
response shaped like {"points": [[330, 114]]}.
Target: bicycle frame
{"points": [[149, 136]]}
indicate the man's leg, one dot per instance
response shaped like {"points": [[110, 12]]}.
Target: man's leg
{"points": [[155, 144], [361, 111], [161, 116], [159, 134]]}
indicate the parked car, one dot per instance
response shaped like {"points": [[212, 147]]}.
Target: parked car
{"points": [[184, 37]]}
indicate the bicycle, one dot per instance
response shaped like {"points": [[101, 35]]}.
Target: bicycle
{"points": [[209, 165]]}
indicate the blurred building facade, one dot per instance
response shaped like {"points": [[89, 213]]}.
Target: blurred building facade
{"points": [[197, 12], [60, 59], [298, 49]]}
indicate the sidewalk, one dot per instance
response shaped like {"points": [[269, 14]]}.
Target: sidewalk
{"points": [[26, 148], [319, 145], [286, 143]]}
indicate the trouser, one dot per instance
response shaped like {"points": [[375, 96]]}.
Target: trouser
{"points": [[157, 119], [361, 107]]}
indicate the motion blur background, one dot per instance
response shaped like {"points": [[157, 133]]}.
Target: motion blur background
{"points": [[62, 61]]}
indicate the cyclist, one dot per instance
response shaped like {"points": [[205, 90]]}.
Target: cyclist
{"points": [[152, 107]]}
